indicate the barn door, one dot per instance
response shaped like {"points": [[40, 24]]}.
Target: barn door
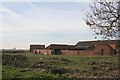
{"points": [[57, 51], [102, 51]]}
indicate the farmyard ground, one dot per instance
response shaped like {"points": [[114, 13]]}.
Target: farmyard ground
{"points": [[58, 66]]}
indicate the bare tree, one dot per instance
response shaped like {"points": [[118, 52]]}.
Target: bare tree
{"points": [[104, 18]]}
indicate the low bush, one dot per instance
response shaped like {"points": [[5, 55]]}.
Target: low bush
{"points": [[14, 60]]}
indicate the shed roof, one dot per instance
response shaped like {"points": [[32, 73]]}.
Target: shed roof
{"points": [[90, 43], [37, 46], [60, 46]]}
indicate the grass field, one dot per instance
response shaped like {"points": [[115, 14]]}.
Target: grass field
{"points": [[59, 66]]}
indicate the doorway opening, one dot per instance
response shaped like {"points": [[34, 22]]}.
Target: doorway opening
{"points": [[56, 51], [102, 51]]}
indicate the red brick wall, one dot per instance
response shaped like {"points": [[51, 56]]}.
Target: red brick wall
{"points": [[107, 49], [69, 52], [46, 51], [77, 52], [95, 51], [36, 51]]}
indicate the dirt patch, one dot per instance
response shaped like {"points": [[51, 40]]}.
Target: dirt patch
{"points": [[59, 71]]}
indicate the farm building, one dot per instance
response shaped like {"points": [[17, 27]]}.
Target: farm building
{"points": [[57, 48], [81, 48], [35, 48], [112, 43]]}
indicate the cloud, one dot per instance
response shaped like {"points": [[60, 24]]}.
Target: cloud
{"points": [[4, 10], [21, 23], [30, 3], [43, 24], [15, 22], [46, 0]]}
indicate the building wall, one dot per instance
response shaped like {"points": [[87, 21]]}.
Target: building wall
{"points": [[41, 51], [69, 52], [36, 47], [36, 51], [106, 48], [46, 51], [112, 43], [95, 51], [77, 52]]}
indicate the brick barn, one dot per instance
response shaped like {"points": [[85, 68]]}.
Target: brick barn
{"points": [[81, 48], [59, 48], [103, 49], [36, 48], [112, 43]]}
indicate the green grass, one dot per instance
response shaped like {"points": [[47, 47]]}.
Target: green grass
{"points": [[10, 72], [64, 66]]}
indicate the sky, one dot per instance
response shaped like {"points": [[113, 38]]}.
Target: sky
{"points": [[25, 23]]}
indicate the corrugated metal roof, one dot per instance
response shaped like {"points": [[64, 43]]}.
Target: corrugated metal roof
{"points": [[90, 43]]}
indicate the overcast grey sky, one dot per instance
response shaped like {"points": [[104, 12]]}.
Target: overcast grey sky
{"points": [[25, 23]]}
